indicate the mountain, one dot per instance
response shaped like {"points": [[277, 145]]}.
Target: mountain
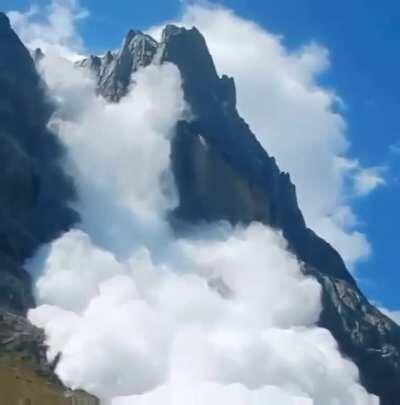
{"points": [[34, 191], [223, 173], [34, 209]]}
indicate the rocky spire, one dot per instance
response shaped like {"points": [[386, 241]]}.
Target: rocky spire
{"points": [[114, 69]]}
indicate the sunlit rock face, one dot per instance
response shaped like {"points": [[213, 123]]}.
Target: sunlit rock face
{"points": [[34, 191], [223, 173], [114, 69]]}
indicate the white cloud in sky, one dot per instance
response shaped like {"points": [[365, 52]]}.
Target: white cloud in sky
{"points": [[53, 29], [368, 180], [392, 314], [363, 180]]}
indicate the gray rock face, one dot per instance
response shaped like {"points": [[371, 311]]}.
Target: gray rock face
{"points": [[34, 199], [29, 377], [222, 172], [18, 336], [34, 191], [367, 336], [114, 69]]}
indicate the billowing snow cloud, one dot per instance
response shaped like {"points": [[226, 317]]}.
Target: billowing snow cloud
{"points": [[295, 119], [215, 317], [138, 314], [53, 29], [222, 316]]}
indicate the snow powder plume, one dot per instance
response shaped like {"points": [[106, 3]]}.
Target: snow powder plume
{"points": [[138, 315]]}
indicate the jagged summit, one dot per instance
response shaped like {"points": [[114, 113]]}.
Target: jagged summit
{"points": [[114, 69], [131, 34], [170, 30]]}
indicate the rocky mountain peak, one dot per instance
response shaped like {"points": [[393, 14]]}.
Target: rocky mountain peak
{"points": [[114, 69], [223, 173], [131, 34], [191, 34], [171, 30], [132, 40], [188, 50]]}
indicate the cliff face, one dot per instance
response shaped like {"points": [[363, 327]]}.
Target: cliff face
{"points": [[222, 172], [34, 209], [34, 191]]}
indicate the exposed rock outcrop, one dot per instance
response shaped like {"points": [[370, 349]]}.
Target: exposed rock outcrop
{"points": [[26, 377], [19, 336], [114, 69], [222, 172]]}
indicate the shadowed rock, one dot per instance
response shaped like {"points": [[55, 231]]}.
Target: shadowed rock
{"points": [[35, 194], [34, 191]]}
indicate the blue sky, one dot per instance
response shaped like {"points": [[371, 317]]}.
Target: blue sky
{"points": [[362, 38]]}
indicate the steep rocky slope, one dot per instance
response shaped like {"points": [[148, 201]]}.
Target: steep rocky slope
{"points": [[26, 377], [34, 209], [34, 191], [222, 172]]}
